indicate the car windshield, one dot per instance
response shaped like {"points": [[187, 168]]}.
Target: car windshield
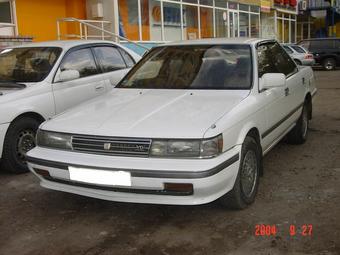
{"points": [[29, 64], [200, 67]]}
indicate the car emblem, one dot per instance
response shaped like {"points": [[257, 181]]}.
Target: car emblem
{"points": [[139, 147], [107, 146]]}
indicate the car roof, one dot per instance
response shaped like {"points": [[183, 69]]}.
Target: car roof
{"points": [[65, 44], [208, 41]]}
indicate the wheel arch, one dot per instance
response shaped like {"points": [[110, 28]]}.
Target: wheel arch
{"points": [[251, 129], [30, 114]]}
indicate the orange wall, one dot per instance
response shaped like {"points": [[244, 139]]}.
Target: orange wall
{"points": [[37, 18]]}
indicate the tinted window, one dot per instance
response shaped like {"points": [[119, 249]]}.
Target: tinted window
{"points": [[273, 59], [337, 44], [322, 44], [5, 12], [80, 60], [109, 59], [193, 67], [127, 58], [298, 49], [288, 50], [28, 64]]}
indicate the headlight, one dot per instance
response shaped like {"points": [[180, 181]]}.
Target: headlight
{"points": [[54, 140], [205, 148]]}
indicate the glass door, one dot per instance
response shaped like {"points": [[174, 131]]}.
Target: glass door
{"points": [[233, 24]]}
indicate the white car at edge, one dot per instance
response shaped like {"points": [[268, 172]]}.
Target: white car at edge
{"points": [[189, 124], [40, 80]]}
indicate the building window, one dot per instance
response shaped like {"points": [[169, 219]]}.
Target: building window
{"points": [[221, 22], [207, 23], [254, 25], [129, 25], [244, 24], [190, 21], [5, 12], [172, 21]]}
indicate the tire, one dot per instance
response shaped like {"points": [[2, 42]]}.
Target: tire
{"points": [[329, 64], [242, 193], [298, 135], [298, 62], [19, 139]]}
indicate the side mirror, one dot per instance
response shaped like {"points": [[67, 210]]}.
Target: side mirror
{"points": [[68, 75], [272, 80]]}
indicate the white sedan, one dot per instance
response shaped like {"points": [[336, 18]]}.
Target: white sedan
{"points": [[40, 80], [189, 124]]}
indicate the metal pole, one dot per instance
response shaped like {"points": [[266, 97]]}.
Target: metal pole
{"points": [[58, 30], [81, 30]]}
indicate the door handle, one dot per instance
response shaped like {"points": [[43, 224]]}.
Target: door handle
{"points": [[286, 91], [99, 87]]}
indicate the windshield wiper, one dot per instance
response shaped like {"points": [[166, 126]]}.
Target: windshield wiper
{"points": [[11, 85]]}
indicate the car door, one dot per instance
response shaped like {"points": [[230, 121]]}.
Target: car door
{"points": [[114, 63], [90, 83], [273, 59], [295, 82]]}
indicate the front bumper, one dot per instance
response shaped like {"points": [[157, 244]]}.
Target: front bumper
{"points": [[210, 178], [308, 62], [3, 130]]}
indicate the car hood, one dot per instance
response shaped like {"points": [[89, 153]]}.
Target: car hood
{"points": [[149, 113]]}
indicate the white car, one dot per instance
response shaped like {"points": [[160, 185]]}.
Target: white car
{"points": [[40, 80], [299, 54], [189, 124]]}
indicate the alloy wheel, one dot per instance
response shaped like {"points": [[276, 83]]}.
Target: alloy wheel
{"points": [[249, 173]]}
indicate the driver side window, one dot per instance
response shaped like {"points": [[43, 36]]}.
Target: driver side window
{"points": [[273, 59]]}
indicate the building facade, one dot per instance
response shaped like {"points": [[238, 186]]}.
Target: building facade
{"points": [[168, 20], [160, 20]]}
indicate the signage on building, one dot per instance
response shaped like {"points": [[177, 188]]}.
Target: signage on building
{"points": [[286, 4], [265, 5]]}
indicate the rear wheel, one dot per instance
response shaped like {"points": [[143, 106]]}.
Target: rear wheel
{"points": [[247, 181], [298, 135], [20, 138], [329, 64]]}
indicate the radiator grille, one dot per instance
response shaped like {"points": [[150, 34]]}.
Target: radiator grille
{"points": [[115, 146]]}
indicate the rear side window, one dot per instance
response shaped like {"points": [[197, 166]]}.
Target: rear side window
{"points": [[322, 44], [305, 44], [289, 51], [81, 60], [127, 58], [273, 59], [109, 58], [298, 49]]}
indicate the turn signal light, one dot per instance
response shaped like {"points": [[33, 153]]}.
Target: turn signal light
{"points": [[43, 173], [179, 187]]}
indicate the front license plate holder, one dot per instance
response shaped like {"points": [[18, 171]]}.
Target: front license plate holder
{"points": [[101, 177]]}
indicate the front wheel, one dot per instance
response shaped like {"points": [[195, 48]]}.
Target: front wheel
{"points": [[247, 181], [20, 138]]}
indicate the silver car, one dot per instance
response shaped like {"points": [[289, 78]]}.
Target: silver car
{"points": [[300, 55]]}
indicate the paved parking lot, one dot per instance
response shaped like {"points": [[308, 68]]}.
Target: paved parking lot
{"points": [[301, 186]]}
